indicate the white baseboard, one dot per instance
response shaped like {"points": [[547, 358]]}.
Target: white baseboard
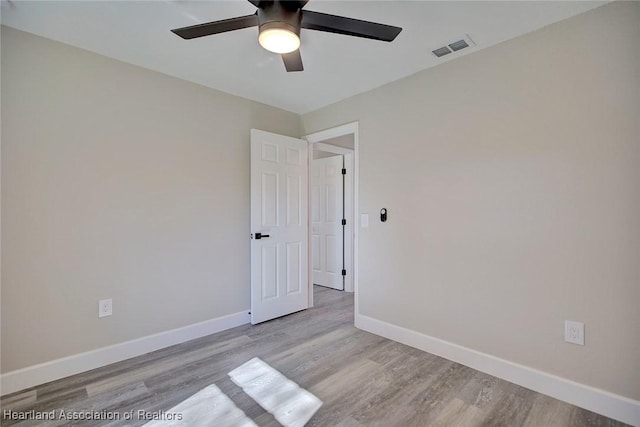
{"points": [[600, 401], [49, 371]]}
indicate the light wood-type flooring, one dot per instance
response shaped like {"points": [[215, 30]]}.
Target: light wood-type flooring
{"points": [[362, 379]]}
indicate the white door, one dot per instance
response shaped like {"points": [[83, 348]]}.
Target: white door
{"points": [[279, 212], [327, 239]]}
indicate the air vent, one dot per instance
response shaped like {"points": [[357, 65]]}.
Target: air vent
{"points": [[460, 44], [441, 51], [453, 46]]}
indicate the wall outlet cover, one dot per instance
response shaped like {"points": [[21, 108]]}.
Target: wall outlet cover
{"points": [[574, 332], [105, 307]]}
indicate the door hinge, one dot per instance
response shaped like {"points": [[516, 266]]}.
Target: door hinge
{"points": [[344, 272], [344, 171], [344, 222]]}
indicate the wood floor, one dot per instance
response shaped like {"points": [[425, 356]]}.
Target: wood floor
{"points": [[362, 379]]}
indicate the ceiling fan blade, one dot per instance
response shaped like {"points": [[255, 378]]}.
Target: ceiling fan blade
{"points": [[292, 61], [348, 26], [216, 27]]}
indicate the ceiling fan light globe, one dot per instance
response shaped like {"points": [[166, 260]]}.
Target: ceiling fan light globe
{"points": [[279, 40]]}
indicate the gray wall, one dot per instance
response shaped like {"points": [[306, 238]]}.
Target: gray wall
{"points": [[117, 182], [511, 177]]}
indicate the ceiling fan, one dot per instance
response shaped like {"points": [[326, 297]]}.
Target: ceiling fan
{"points": [[279, 24]]}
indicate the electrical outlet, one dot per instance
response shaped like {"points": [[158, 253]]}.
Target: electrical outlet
{"points": [[105, 307], [574, 332]]}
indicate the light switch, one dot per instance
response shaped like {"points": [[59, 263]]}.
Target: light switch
{"points": [[364, 220]]}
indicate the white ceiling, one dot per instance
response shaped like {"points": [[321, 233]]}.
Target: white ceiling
{"points": [[336, 66]]}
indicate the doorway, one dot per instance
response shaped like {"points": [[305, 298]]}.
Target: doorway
{"points": [[327, 184], [338, 143], [279, 207]]}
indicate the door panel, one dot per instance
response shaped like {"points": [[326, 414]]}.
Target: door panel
{"points": [[294, 278], [268, 263], [279, 210], [315, 252], [331, 251], [294, 200], [327, 231], [269, 200]]}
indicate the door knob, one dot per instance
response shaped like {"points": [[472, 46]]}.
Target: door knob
{"points": [[259, 236]]}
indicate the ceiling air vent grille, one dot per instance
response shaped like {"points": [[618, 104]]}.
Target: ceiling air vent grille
{"points": [[441, 51], [460, 44], [453, 46]]}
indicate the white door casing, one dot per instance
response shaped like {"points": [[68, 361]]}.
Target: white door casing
{"points": [[327, 209], [279, 210]]}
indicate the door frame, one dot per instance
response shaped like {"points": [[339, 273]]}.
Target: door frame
{"points": [[315, 139]]}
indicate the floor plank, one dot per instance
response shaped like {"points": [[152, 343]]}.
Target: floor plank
{"points": [[362, 379]]}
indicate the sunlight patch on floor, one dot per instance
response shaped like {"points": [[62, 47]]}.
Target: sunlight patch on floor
{"points": [[291, 405], [208, 407]]}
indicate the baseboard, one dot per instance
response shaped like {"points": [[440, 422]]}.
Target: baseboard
{"points": [[600, 401], [49, 371]]}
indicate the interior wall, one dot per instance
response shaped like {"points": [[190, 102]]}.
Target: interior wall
{"points": [[319, 154], [511, 180], [123, 183], [344, 141]]}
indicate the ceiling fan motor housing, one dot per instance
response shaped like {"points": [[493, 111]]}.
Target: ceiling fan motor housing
{"points": [[279, 15]]}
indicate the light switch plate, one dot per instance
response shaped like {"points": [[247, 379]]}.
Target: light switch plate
{"points": [[364, 220]]}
